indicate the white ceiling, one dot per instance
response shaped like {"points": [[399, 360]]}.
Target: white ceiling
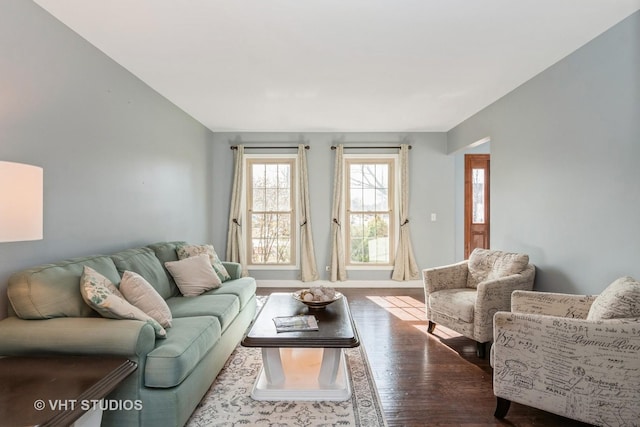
{"points": [[336, 65]]}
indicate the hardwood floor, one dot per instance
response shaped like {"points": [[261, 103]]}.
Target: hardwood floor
{"points": [[428, 379]]}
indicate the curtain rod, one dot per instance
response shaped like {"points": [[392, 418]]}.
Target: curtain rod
{"points": [[333, 147], [235, 147]]}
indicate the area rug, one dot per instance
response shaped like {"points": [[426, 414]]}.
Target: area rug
{"points": [[228, 402]]}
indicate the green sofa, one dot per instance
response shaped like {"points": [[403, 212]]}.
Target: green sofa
{"points": [[47, 315]]}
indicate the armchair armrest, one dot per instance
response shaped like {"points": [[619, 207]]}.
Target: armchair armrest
{"points": [[445, 277], [585, 370], [233, 268], [551, 303], [76, 335], [495, 295]]}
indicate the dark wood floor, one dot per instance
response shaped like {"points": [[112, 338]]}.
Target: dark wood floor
{"points": [[424, 379]]}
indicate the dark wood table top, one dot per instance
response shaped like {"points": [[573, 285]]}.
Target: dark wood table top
{"points": [[56, 390], [335, 325]]}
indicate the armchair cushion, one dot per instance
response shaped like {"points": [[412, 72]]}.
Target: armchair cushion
{"points": [[456, 303], [487, 264], [619, 300]]}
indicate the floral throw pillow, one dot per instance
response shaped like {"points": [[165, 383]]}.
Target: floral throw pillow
{"points": [[103, 296], [187, 251]]}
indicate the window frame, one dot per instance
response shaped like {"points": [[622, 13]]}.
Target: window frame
{"points": [[249, 161], [392, 161]]}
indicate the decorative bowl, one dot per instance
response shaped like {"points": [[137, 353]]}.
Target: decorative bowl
{"points": [[315, 304]]}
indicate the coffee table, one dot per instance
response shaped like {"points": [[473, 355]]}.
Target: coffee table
{"points": [[302, 365]]}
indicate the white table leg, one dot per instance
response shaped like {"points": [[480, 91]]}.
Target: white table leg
{"points": [[331, 358], [272, 365]]}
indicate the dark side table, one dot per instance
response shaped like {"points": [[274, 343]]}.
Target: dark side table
{"points": [[58, 390]]}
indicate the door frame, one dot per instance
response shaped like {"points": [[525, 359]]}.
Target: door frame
{"points": [[470, 162]]}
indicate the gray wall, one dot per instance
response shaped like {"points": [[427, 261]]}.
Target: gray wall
{"points": [[122, 165], [432, 181], [565, 151]]}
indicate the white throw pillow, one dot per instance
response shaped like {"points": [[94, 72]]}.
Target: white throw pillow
{"points": [[193, 275], [139, 292], [103, 296], [619, 300]]}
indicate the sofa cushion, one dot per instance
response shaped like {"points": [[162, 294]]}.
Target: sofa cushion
{"points": [[244, 289], [456, 303], [174, 358], [144, 262], [140, 293], [193, 275], [621, 299], [186, 251], [103, 296], [488, 264], [165, 252], [52, 290], [224, 307]]}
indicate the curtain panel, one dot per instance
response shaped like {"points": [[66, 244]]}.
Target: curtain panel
{"points": [[308, 268], [405, 267], [337, 266], [235, 238]]}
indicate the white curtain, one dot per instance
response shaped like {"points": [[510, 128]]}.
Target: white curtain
{"points": [[337, 267], [308, 268], [235, 239], [405, 267]]}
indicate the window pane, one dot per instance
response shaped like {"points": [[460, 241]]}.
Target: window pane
{"points": [[477, 184], [358, 239], [284, 200], [271, 199], [258, 199], [284, 173], [271, 175], [382, 176], [382, 199], [369, 199]]}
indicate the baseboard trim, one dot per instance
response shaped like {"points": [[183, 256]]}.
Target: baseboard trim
{"points": [[388, 284]]}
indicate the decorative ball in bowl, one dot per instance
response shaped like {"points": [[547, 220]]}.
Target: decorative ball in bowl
{"points": [[317, 297]]}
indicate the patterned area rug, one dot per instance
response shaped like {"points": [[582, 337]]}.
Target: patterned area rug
{"points": [[228, 401]]}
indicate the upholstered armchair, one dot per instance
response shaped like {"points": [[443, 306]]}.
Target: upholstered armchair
{"points": [[577, 356], [465, 296]]}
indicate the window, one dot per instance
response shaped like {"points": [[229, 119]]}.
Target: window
{"points": [[370, 220], [271, 211]]}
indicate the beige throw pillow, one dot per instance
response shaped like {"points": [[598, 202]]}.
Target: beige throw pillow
{"points": [[193, 275], [103, 296], [619, 300], [489, 264], [139, 292], [187, 251]]}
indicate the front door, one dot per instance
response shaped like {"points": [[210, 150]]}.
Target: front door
{"points": [[476, 202]]}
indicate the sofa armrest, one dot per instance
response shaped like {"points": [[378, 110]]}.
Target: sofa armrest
{"points": [[581, 369], [450, 276], [76, 335], [551, 303], [233, 268]]}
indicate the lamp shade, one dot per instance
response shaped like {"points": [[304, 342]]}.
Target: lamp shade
{"points": [[20, 202]]}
